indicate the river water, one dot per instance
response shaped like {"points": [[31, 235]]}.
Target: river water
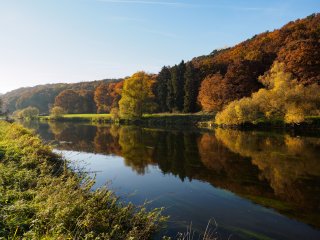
{"points": [[249, 184]]}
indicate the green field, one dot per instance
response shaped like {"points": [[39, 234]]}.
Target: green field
{"points": [[87, 117], [156, 119]]}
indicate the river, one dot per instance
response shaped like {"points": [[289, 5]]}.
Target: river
{"points": [[251, 184]]}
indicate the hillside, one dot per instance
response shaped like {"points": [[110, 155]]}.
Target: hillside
{"points": [[237, 72], [206, 83], [43, 96]]}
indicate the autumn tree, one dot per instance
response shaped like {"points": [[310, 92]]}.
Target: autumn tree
{"points": [[117, 90], [56, 112], [285, 99], [214, 93], [137, 96], [161, 88], [242, 77], [191, 89], [102, 98], [107, 96], [69, 100], [302, 59]]}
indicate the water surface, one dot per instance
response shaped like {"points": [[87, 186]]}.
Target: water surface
{"points": [[255, 185]]}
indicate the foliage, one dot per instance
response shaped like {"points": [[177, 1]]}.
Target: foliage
{"points": [[115, 114], [178, 82], [161, 88], [285, 99], [214, 93], [107, 96], [296, 45], [57, 112], [191, 89], [41, 198], [137, 96], [43, 96], [170, 90], [28, 113], [76, 101]]}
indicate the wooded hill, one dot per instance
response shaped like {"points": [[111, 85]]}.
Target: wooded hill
{"points": [[205, 83], [43, 96]]}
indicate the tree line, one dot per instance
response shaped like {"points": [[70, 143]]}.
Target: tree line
{"points": [[206, 83]]}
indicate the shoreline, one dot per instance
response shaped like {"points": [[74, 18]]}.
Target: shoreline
{"points": [[201, 121]]}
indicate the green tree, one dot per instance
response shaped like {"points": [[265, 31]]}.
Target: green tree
{"points": [[28, 113], [137, 96], [191, 89], [170, 88], [161, 88], [178, 86]]}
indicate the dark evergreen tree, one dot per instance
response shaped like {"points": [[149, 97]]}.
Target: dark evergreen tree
{"points": [[178, 86], [171, 88], [191, 89], [161, 88]]}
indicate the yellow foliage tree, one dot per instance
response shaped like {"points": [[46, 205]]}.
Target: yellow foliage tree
{"points": [[137, 96], [283, 99]]}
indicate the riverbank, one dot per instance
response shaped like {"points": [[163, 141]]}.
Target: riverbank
{"points": [[310, 123], [42, 197], [199, 120], [150, 120]]}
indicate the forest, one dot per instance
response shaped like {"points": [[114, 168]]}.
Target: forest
{"points": [[273, 75]]}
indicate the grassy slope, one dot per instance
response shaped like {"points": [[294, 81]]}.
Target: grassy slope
{"points": [[41, 198]]}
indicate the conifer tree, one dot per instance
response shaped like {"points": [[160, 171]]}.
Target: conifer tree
{"points": [[191, 89], [178, 86], [161, 89], [170, 88]]}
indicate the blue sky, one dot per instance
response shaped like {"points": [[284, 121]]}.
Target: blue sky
{"points": [[47, 41]]}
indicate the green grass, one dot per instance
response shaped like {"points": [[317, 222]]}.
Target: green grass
{"points": [[156, 119], [86, 117], [42, 198]]}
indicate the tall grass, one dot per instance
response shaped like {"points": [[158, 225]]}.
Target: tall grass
{"points": [[42, 198], [210, 232]]}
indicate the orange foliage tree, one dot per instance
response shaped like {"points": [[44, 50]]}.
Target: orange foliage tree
{"points": [[107, 96], [213, 93]]}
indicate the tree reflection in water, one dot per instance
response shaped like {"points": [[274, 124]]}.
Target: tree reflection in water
{"points": [[272, 169]]}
